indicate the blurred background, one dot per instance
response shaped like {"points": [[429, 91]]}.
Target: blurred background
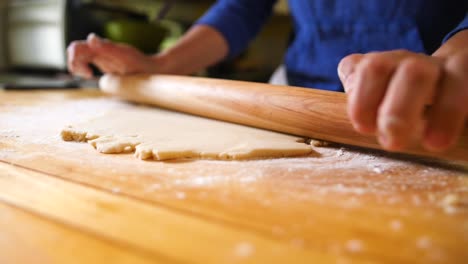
{"points": [[34, 35]]}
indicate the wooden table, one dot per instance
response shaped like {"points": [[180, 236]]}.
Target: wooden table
{"points": [[63, 202]]}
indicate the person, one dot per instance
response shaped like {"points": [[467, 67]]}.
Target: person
{"points": [[393, 59]]}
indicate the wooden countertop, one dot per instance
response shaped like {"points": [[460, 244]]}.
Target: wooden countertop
{"points": [[63, 202]]}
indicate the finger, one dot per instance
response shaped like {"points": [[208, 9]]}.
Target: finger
{"points": [[79, 56], [108, 48], [400, 114], [346, 67], [106, 65], [119, 55], [371, 78], [449, 113], [348, 64]]}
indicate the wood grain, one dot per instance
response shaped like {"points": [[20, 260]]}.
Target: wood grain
{"points": [[182, 238], [340, 203], [305, 112], [26, 238]]}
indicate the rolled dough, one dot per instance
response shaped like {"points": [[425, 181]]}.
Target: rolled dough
{"points": [[158, 134]]}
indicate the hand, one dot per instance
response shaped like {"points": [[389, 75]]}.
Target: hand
{"points": [[110, 57], [388, 93]]}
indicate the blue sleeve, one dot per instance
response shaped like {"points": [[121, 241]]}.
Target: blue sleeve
{"points": [[238, 21], [462, 26]]}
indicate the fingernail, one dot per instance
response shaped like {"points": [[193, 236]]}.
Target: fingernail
{"points": [[387, 126], [91, 36], [383, 140], [436, 141], [344, 70], [341, 74], [389, 142], [367, 130], [348, 83], [94, 39], [357, 127]]}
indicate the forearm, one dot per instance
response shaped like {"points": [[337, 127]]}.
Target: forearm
{"points": [[200, 47], [455, 44]]}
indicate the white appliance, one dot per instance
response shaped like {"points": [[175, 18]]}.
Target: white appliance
{"points": [[36, 34]]}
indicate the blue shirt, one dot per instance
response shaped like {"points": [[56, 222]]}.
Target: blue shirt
{"points": [[328, 30]]}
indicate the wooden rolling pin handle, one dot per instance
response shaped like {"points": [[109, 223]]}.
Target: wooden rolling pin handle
{"points": [[300, 111]]}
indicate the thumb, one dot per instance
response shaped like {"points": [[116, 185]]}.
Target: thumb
{"points": [[346, 68], [94, 40], [105, 47]]}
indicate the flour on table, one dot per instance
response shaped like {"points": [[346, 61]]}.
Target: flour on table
{"points": [[158, 134]]}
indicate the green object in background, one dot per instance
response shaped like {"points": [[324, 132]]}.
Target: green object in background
{"points": [[144, 36], [175, 32]]}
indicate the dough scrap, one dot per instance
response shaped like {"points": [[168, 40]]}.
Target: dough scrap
{"points": [[158, 134], [319, 143]]}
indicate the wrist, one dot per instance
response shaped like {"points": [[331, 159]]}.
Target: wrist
{"points": [[457, 43], [171, 61], [161, 63]]}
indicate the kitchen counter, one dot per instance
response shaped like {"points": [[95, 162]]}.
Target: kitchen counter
{"points": [[62, 202]]}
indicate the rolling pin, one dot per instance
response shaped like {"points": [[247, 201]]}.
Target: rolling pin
{"points": [[303, 112]]}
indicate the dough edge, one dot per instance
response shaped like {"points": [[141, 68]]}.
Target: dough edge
{"points": [[69, 133]]}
